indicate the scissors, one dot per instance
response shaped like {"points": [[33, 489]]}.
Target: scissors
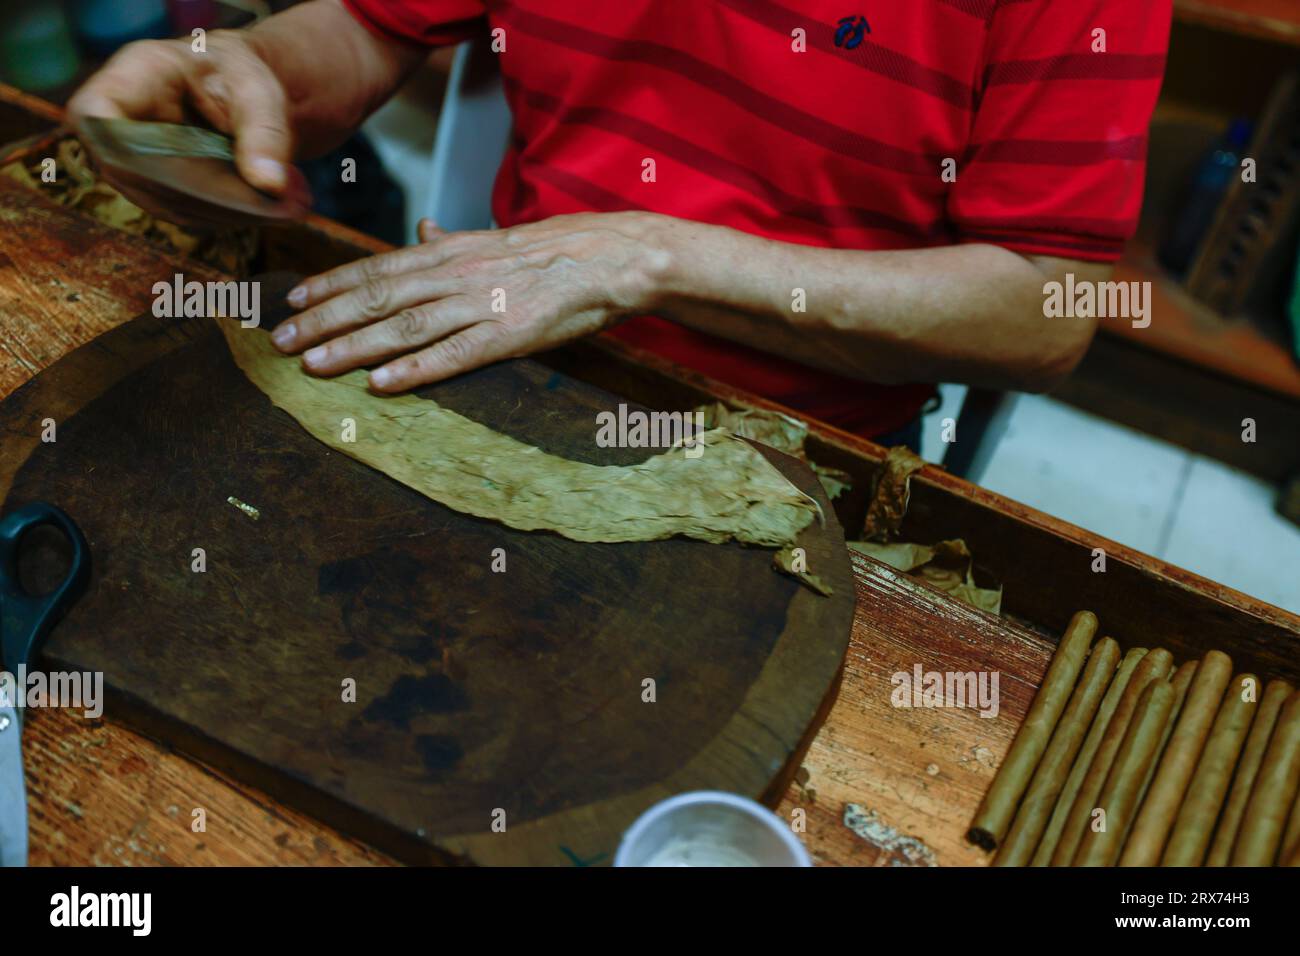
{"points": [[25, 621]]}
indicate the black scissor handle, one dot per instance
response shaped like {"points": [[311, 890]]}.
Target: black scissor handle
{"points": [[26, 619]]}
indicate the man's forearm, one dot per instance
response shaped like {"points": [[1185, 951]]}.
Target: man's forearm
{"points": [[968, 313], [334, 71]]}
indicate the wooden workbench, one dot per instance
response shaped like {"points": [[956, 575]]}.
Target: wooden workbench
{"points": [[102, 794], [878, 785]]}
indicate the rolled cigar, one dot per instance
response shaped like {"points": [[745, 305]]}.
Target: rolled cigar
{"points": [[1031, 819], [1101, 847], [1275, 789], [1291, 837], [1155, 666], [1052, 835], [1243, 781], [999, 804], [1293, 859], [1195, 821], [1178, 762], [1180, 681]]}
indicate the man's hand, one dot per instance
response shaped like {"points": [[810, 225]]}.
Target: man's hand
{"points": [[298, 83], [458, 301], [228, 87], [969, 313]]}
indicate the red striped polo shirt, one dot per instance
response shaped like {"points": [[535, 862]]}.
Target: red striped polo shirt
{"points": [[826, 123]]}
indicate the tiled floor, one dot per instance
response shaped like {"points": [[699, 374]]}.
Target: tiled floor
{"points": [[1186, 509]]}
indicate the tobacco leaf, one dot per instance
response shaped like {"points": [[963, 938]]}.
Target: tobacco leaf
{"points": [[782, 432], [891, 494], [947, 566], [784, 561], [76, 186], [730, 491], [900, 556]]}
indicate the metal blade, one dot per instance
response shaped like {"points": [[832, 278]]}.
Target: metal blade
{"points": [[190, 170], [13, 792]]}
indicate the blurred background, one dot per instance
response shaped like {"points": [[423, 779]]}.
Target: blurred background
{"points": [[48, 47], [1145, 443]]}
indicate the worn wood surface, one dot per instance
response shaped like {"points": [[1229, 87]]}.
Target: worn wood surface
{"points": [[1277, 20], [886, 785], [1037, 557], [475, 691], [101, 793]]}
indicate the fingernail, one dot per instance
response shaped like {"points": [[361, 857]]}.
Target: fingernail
{"points": [[269, 173], [314, 356], [297, 295], [381, 377], [283, 334]]}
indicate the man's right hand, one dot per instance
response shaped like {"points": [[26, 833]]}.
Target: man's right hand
{"points": [[228, 87], [296, 84]]}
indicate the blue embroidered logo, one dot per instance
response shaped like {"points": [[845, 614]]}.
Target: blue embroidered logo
{"points": [[851, 31]]}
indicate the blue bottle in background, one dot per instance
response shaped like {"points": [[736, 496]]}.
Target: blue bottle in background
{"points": [[1213, 175], [105, 25]]}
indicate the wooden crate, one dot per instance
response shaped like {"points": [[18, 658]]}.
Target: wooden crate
{"points": [[101, 793]]}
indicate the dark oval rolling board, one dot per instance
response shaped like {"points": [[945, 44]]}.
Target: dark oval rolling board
{"points": [[499, 717]]}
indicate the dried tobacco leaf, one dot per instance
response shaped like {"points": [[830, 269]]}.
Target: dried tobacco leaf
{"points": [[728, 492], [784, 561], [947, 566], [77, 187], [900, 556], [782, 432], [892, 493]]}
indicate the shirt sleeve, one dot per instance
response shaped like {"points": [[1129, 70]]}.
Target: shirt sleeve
{"points": [[423, 22], [1057, 153]]}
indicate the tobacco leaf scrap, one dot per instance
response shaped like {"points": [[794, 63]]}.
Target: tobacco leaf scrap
{"points": [[784, 561], [76, 186], [783, 432], [728, 492], [947, 566], [891, 494]]}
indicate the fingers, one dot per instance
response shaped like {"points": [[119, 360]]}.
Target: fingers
{"points": [[437, 247], [375, 299], [471, 348], [143, 80], [231, 86], [263, 140], [241, 96], [345, 278], [94, 99], [428, 230], [407, 331]]}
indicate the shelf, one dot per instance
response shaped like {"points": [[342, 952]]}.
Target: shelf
{"points": [[1187, 330], [1271, 19]]}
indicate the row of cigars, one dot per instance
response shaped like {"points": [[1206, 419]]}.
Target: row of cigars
{"points": [[1125, 759]]}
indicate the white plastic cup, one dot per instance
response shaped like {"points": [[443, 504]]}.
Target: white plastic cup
{"points": [[710, 828]]}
